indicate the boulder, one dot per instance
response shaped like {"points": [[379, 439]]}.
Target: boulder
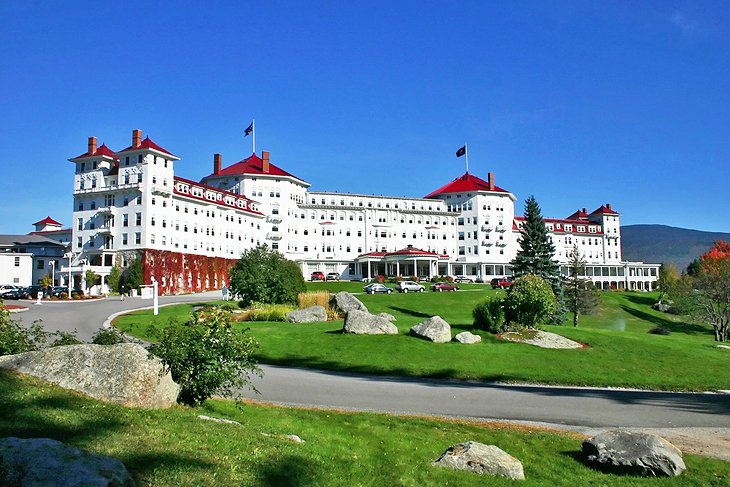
{"points": [[307, 315], [663, 307], [435, 329], [344, 302], [387, 316], [363, 323], [482, 459], [42, 461], [626, 452], [467, 338], [124, 373]]}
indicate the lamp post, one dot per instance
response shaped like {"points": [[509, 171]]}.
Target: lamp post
{"points": [[52, 263], [69, 255]]}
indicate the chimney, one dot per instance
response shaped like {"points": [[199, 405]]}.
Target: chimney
{"points": [[216, 163], [490, 181], [608, 205], [585, 210], [92, 145], [265, 165], [136, 137]]}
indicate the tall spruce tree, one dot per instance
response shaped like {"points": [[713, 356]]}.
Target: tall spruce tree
{"points": [[536, 256], [582, 296]]}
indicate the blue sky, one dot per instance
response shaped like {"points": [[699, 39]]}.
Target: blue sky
{"points": [[578, 103]]}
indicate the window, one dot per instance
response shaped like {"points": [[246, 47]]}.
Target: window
{"points": [[124, 239], [17, 261], [41, 264], [81, 206], [79, 242], [93, 205], [138, 219], [80, 224], [139, 176], [138, 238]]}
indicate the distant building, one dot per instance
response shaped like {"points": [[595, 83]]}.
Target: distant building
{"points": [[26, 259], [130, 204]]}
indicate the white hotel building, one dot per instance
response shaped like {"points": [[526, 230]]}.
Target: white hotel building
{"points": [[130, 204]]}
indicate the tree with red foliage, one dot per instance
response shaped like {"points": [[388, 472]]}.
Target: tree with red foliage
{"points": [[709, 292]]}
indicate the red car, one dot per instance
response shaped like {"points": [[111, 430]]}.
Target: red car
{"points": [[317, 276], [444, 286], [502, 283]]}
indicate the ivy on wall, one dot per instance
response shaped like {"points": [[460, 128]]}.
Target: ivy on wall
{"points": [[178, 273]]}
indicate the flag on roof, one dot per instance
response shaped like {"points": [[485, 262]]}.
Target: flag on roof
{"points": [[461, 151], [249, 130]]}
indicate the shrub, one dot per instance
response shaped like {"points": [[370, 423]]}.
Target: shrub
{"points": [[489, 315], [107, 337], [207, 356], [64, 338], [63, 295], [529, 301], [312, 298], [272, 312], [265, 276], [380, 279], [658, 330], [15, 338]]}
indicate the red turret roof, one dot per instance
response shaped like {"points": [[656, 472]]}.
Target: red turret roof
{"points": [[579, 215], [604, 210], [464, 184], [147, 144], [47, 221], [252, 165], [102, 150]]}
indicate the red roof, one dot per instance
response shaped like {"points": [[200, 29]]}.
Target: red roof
{"points": [[464, 184], [102, 150], [410, 250], [147, 144], [47, 221], [605, 210], [579, 215], [252, 165], [560, 225], [372, 254], [217, 190]]}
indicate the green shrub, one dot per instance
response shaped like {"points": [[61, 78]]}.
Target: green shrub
{"points": [[108, 336], [489, 315], [65, 338], [265, 276], [207, 356], [15, 338], [529, 301]]}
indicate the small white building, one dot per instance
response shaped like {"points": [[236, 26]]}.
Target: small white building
{"points": [[16, 269]]}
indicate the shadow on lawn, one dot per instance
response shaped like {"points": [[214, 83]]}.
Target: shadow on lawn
{"points": [[409, 312], [673, 326], [289, 470], [54, 414], [641, 299]]}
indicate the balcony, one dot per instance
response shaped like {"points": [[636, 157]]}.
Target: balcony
{"points": [[486, 228], [487, 243], [273, 236], [107, 189], [104, 229], [161, 190], [501, 228], [104, 210], [501, 243], [273, 219]]}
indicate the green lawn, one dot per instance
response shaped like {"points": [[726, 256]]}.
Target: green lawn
{"points": [[174, 448], [621, 353]]}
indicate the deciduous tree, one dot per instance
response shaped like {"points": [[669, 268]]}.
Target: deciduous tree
{"points": [[581, 296], [263, 275], [530, 301]]}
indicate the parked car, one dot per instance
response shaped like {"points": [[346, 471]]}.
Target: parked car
{"points": [[462, 279], [405, 286], [333, 276], [444, 286], [376, 288], [317, 276], [17, 293], [5, 288], [57, 290], [502, 282], [31, 292]]}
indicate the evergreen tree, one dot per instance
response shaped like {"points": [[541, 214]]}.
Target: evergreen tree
{"points": [[536, 256], [582, 297]]}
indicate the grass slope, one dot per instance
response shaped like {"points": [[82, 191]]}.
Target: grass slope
{"points": [[621, 352], [174, 448]]}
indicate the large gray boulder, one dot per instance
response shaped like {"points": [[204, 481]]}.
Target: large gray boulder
{"points": [[344, 302], [467, 337], [626, 452], [363, 323], [124, 373], [46, 462], [307, 315], [387, 316], [435, 329], [482, 459]]}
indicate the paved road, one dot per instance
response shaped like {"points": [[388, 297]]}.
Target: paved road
{"points": [[86, 317]]}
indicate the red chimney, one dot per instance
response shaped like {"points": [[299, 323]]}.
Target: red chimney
{"points": [[92, 145], [490, 181], [265, 157], [136, 137], [216, 163]]}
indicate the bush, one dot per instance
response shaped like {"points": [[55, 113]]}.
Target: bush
{"points": [[489, 315], [658, 330], [263, 275], [65, 338], [270, 312], [107, 337], [15, 338], [312, 298], [380, 279], [206, 356], [529, 301]]}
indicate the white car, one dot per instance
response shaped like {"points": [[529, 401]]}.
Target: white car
{"points": [[6, 288], [405, 286]]}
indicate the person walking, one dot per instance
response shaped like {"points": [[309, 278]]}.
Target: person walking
{"points": [[122, 291]]}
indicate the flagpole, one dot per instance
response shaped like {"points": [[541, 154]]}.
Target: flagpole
{"points": [[466, 153], [253, 133]]}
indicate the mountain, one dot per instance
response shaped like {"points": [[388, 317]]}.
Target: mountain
{"points": [[660, 243]]}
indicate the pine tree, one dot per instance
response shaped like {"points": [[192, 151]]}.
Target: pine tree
{"points": [[536, 256], [582, 297]]}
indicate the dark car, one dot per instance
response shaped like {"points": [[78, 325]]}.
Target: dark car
{"points": [[17, 293], [462, 279], [317, 276], [502, 282], [444, 286], [57, 290], [376, 288], [31, 292]]}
